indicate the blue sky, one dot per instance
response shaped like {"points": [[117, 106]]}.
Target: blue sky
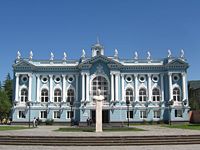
{"points": [[71, 25]]}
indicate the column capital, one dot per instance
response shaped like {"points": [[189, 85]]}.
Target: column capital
{"points": [[122, 75], [51, 76], [149, 74], [77, 75], [183, 74], [63, 75], [30, 74], [135, 75], [37, 75], [161, 74], [83, 73], [169, 73], [17, 75]]}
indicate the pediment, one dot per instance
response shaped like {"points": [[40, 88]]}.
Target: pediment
{"points": [[101, 58], [177, 62], [23, 63]]}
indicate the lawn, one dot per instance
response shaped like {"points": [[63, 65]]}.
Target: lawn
{"points": [[5, 128], [91, 129], [185, 126]]}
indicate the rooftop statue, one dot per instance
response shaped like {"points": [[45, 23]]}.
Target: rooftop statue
{"points": [[169, 53], [64, 56], [52, 56], [182, 53], [136, 55], [148, 55], [18, 55], [83, 53], [116, 53], [31, 55]]}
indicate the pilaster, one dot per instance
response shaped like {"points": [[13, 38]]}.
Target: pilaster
{"points": [[30, 87], [17, 87]]}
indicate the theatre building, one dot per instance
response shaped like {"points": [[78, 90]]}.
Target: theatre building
{"points": [[139, 89]]}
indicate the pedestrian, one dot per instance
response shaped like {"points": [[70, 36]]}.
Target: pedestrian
{"points": [[34, 122]]}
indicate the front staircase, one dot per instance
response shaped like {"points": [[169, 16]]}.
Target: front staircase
{"points": [[100, 140]]}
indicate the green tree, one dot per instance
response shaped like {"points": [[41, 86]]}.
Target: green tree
{"points": [[8, 87], [5, 105], [0, 86]]}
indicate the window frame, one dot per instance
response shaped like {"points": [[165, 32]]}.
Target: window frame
{"points": [[22, 114], [57, 96], [24, 97], [42, 114], [44, 98]]}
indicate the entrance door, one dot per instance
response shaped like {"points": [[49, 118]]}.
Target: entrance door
{"points": [[105, 116]]}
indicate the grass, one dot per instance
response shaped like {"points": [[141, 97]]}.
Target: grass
{"points": [[185, 126], [5, 128], [87, 129]]}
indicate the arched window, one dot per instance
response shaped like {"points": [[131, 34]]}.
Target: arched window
{"points": [[176, 94], [24, 95], [156, 94], [129, 94], [70, 96], [142, 95], [57, 95], [101, 83], [44, 95]]}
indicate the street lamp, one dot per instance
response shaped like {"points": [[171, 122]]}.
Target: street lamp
{"points": [[28, 103], [127, 104], [71, 105], [170, 103]]}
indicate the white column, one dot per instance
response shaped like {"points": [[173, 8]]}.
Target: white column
{"points": [[170, 86], [122, 75], [38, 88], [77, 87], [30, 87], [51, 88], [112, 87], [162, 86], [64, 89], [149, 87], [83, 86], [17, 87], [87, 86], [184, 85], [117, 87], [136, 87]]}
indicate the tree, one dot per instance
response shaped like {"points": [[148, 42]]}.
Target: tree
{"points": [[0, 86], [8, 87], [5, 105]]}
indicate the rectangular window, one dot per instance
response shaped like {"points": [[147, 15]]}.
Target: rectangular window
{"points": [[56, 114], [70, 114], [43, 114], [129, 114], [143, 114], [22, 114], [178, 113], [156, 114]]}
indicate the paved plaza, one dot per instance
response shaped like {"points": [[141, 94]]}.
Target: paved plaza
{"points": [[150, 130]]}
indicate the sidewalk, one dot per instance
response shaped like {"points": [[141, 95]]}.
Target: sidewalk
{"points": [[151, 130]]}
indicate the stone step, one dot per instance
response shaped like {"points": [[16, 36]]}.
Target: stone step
{"points": [[99, 141]]}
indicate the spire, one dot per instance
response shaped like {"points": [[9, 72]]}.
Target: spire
{"points": [[98, 40]]}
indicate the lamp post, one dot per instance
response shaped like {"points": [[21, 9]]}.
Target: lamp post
{"points": [[127, 104], [71, 105], [28, 103]]}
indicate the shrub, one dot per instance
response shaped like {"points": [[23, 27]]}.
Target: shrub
{"points": [[49, 121]]}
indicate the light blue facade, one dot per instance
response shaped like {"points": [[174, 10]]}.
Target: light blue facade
{"points": [[150, 90]]}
